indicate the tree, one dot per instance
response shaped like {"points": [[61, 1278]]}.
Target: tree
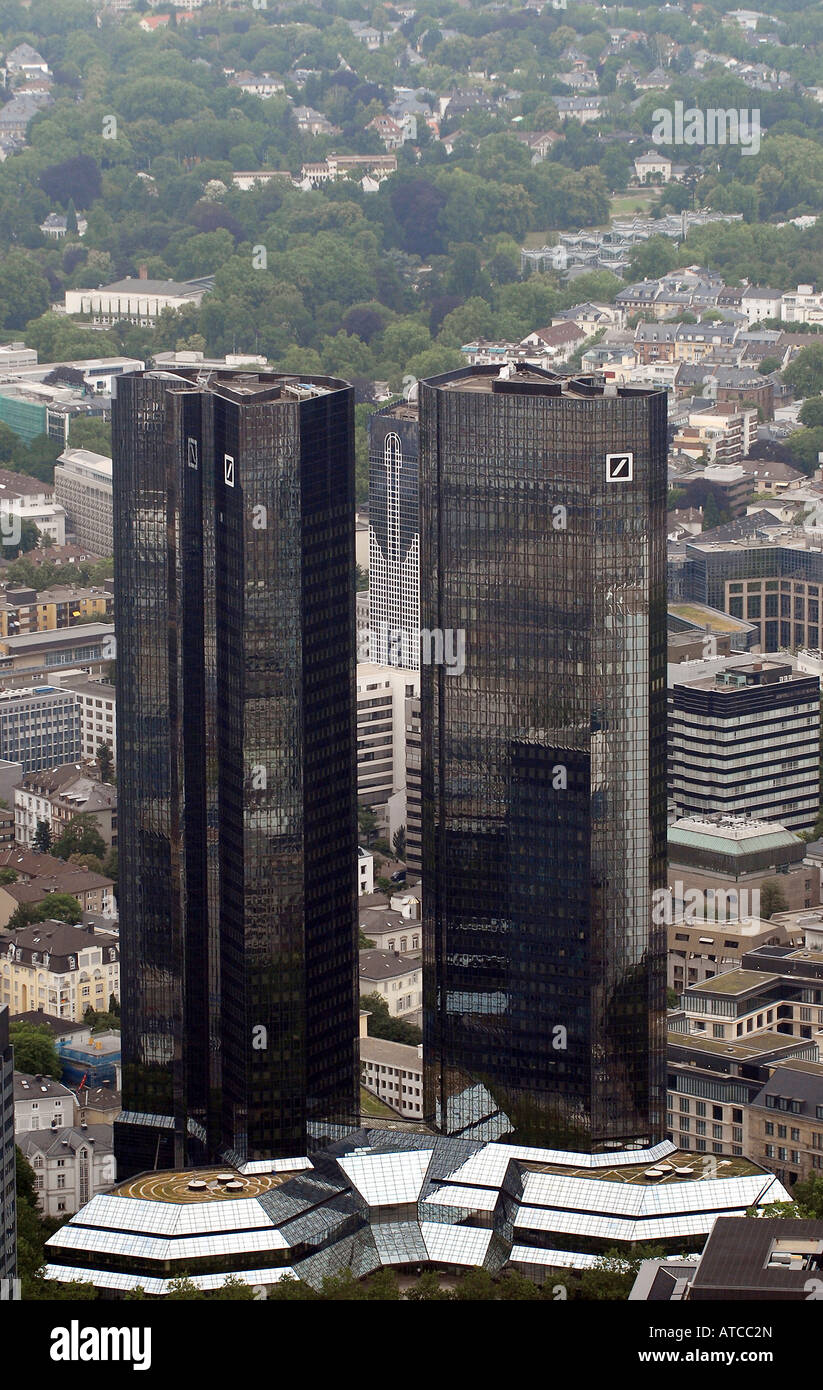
{"points": [[769, 365], [9, 443], [399, 843], [42, 837], [29, 539], [672, 999], [80, 836], [104, 761], [382, 1025], [772, 898], [34, 1050], [60, 907], [805, 373], [76, 181], [811, 412], [87, 432], [384, 885], [8, 876], [367, 822], [804, 446]]}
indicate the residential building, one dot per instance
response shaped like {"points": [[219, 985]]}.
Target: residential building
{"points": [[743, 738], [238, 826], [40, 1102], [45, 610], [392, 928], [394, 1073], [138, 300], [396, 978], [56, 795], [653, 167], [394, 537], [27, 499], [544, 569], [805, 305], [70, 1165], [59, 969], [8, 1180], [82, 486], [39, 725], [758, 303], [98, 1105], [56, 225], [365, 871]]}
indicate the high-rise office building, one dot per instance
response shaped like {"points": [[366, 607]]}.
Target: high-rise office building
{"points": [[234, 563], [8, 1182], [542, 511], [744, 739], [394, 537]]}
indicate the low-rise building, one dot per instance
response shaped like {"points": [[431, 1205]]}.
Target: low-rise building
{"points": [[70, 1165], [23, 609], [59, 969], [365, 870], [397, 978], [40, 1102], [394, 1073], [727, 861], [89, 647], [28, 499], [57, 794], [140, 300]]}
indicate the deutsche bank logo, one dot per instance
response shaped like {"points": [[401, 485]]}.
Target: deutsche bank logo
{"points": [[619, 468], [192, 448], [228, 470]]}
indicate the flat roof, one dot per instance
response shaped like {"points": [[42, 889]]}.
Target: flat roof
{"points": [[242, 383], [742, 1048], [173, 1186], [735, 982], [506, 380]]}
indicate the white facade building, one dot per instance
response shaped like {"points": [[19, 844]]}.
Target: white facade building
{"points": [[40, 1102], [70, 1165], [381, 740], [140, 301], [394, 1073], [83, 488]]}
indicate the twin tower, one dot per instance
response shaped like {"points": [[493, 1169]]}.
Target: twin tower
{"points": [[542, 542]]}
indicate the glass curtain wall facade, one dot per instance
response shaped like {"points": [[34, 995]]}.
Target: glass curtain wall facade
{"points": [[394, 537], [234, 565], [8, 1180], [544, 761]]}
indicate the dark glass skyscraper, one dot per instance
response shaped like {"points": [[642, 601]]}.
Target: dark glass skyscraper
{"points": [[544, 762], [234, 567]]}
